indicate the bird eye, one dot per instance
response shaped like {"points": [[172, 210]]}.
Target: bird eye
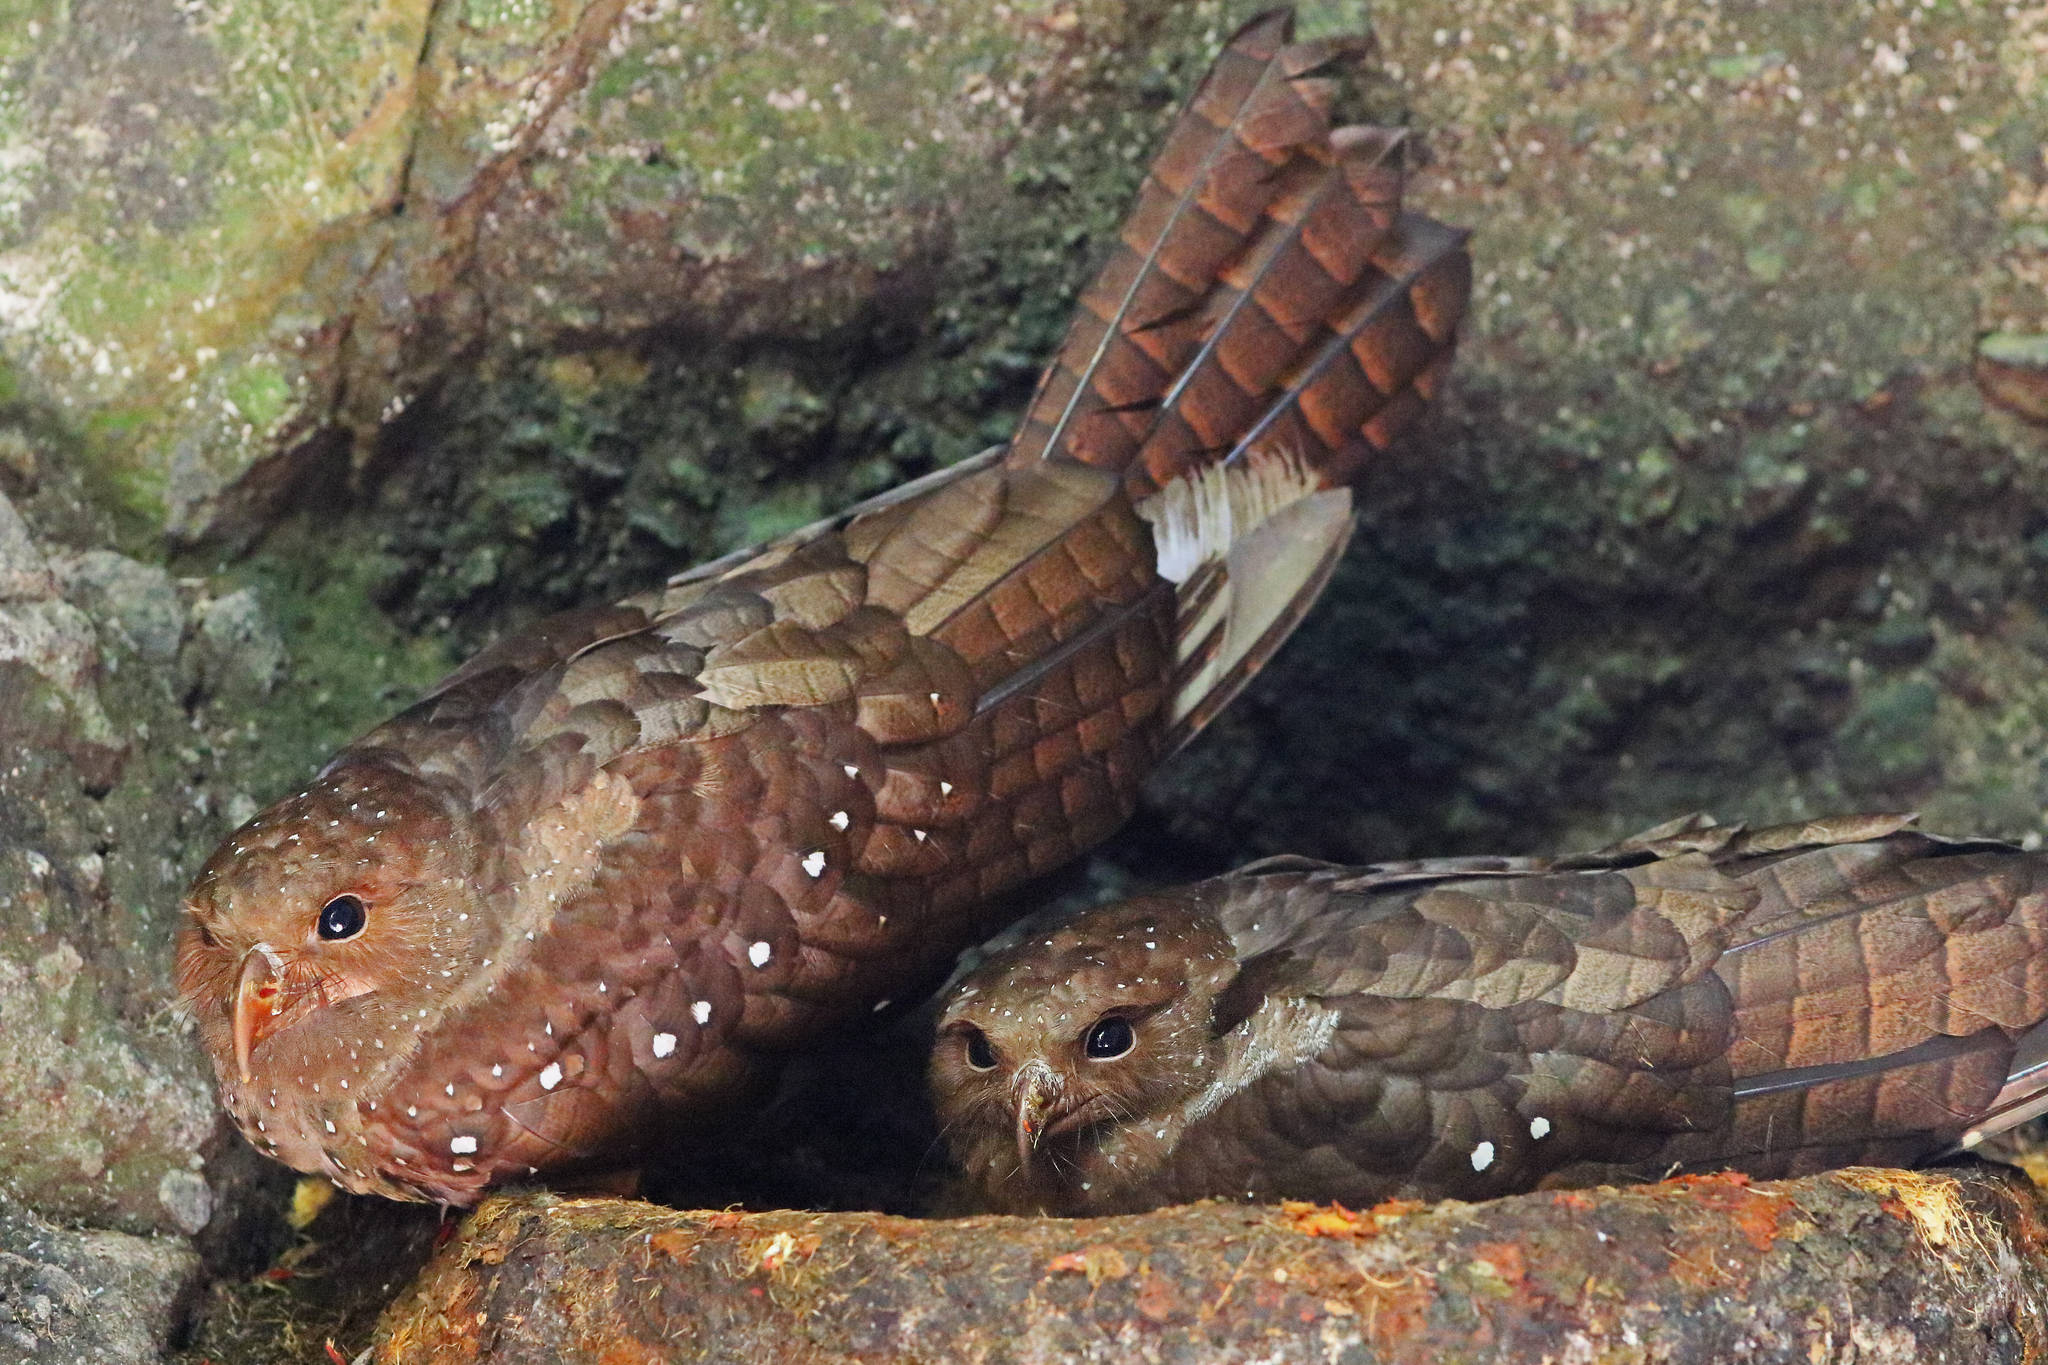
{"points": [[343, 918], [981, 1054], [1111, 1038]]}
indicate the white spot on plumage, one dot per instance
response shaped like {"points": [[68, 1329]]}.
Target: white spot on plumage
{"points": [[1539, 1127], [329, 1123], [919, 835], [840, 820], [760, 953], [814, 863], [1482, 1156], [462, 1146], [851, 771], [551, 1076], [701, 1011], [664, 1044]]}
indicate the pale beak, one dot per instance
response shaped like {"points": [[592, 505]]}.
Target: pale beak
{"points": [[1038, 1093], [259, 998]]}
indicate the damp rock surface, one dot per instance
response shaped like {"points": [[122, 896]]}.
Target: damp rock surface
{"points": [[90, 1298], [1905, 1267]]}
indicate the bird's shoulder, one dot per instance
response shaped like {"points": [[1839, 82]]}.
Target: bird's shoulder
{"points": [[1495, 932]]}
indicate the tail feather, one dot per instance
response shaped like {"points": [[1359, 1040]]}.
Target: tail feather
{"points": [[1267, 284], [1258, 110], [1889, 982], [1895, 1108], [1373, 377], [1275, 304], [1269, 319]]}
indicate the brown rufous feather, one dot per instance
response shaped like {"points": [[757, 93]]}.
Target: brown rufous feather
{"points": [[1266, 290]]}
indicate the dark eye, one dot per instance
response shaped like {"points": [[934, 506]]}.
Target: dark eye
{"points": [[981, 1054], [344, 917], [1111, 1038]]}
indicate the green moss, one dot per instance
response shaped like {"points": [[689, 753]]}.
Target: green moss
{"points": [[784, 510], [178, 257], [519, 16], [611, 467], [349, 665], [260, 391], [2010, 349], [1741, 66], [1889, 733]]}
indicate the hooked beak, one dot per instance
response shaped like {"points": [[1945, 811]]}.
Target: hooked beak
{"points": [[259, 999], [1038, 1094]]}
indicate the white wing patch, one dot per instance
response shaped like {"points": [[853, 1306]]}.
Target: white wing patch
{"points": [[1248, 545], [1199, 517]]}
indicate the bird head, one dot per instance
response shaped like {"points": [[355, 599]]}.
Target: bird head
{"points": [[350, 891], [1059, 1046]]}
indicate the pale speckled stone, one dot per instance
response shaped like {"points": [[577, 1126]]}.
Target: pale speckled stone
{"points": [[89, 1298]]}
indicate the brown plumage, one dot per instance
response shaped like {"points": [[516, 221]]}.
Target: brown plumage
{"points": [[613, 863], [1776, 1001]]}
